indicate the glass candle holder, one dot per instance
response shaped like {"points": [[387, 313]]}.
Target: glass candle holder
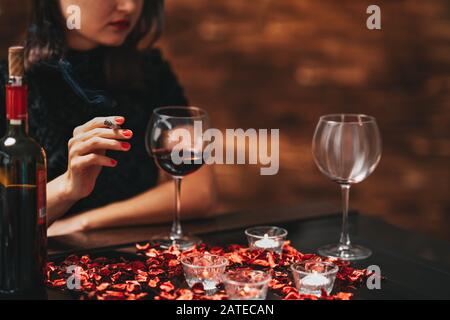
{"points": [[204, 268], [311, 277], [266, 238], [246, 284]]}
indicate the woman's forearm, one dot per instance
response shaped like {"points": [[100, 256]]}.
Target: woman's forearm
{"points": [[198, 194], [58, 200]]}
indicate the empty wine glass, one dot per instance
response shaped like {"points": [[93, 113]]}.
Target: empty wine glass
{"points": [[347, 149], [174, 139]]}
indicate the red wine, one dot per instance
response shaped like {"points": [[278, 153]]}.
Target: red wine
{"points": [[21, 261], [190, 163], [23, 224]]}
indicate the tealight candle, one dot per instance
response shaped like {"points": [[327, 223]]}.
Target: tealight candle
{"points": [[209, 285], [311, 277], [267, 243], [246, 284], [266, 238], [314, 280], [204, 268]]}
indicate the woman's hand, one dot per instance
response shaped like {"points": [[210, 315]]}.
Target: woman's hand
{"points": [[87, 149]]}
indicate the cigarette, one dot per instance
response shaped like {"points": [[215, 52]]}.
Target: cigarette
{"points": [[112, 125]]}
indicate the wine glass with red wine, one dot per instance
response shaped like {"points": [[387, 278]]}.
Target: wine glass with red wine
{"points": [[174, 139]]}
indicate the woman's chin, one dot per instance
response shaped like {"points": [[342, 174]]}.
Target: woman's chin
{"points": [[113, 41]]}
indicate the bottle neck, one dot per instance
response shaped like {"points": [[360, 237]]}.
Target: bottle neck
{"points": [[16, 127], [16, 108]]}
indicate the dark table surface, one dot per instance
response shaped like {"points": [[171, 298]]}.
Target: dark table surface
{"points": [[415, 266]]}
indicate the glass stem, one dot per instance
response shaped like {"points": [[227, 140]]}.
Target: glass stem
{"points": [[177, 232], [344, 243]]}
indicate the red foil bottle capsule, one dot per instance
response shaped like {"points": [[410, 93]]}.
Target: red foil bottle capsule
{"points": [[16, 102]]}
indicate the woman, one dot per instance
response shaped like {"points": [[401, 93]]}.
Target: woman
{"points": [[78, 78]]}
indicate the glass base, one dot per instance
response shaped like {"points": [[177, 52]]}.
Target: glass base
{"points": [[184, 243], [347, 253]]}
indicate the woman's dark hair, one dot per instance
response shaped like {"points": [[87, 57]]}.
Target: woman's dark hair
{"points": [[46, 39]]}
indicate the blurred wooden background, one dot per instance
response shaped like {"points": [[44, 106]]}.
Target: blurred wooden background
{"points": [[283, 63]]}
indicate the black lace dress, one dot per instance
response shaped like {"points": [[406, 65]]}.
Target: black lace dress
{"points": [[70, 92]]}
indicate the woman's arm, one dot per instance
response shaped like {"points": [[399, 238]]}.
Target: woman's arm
{"points": [[198, 199], [86, 153], [58, 199]]}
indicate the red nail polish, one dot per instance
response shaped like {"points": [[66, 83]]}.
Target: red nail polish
{"points": [[120, 120], [128, 133], [126, 145], [114, 162]]}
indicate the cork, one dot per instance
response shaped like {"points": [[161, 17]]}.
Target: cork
{"points": [[16, 61]]}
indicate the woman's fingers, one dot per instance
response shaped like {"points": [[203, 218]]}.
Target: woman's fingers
{"points": [[98, 143], [105, 133], [99, 122], [80, 163], [87, 149]]}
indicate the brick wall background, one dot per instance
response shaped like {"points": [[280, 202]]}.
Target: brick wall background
{"points": [[283, 63]]}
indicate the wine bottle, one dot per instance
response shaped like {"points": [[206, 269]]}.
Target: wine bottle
{"points": [[23, 223]]}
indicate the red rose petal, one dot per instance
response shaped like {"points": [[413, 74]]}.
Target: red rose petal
{"points": [[142, 247], [198, 289], [156, 272], [344, 296], [167, 286], [137, 265], [102, 287], [153, 283], [185, 294]]}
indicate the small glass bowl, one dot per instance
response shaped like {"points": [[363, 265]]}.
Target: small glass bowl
{"points": [[246, 284], [204, 268], [266, 238], [311, 277]]}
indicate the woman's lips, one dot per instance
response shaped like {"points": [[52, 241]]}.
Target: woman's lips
{"points": [[121, 24]]}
